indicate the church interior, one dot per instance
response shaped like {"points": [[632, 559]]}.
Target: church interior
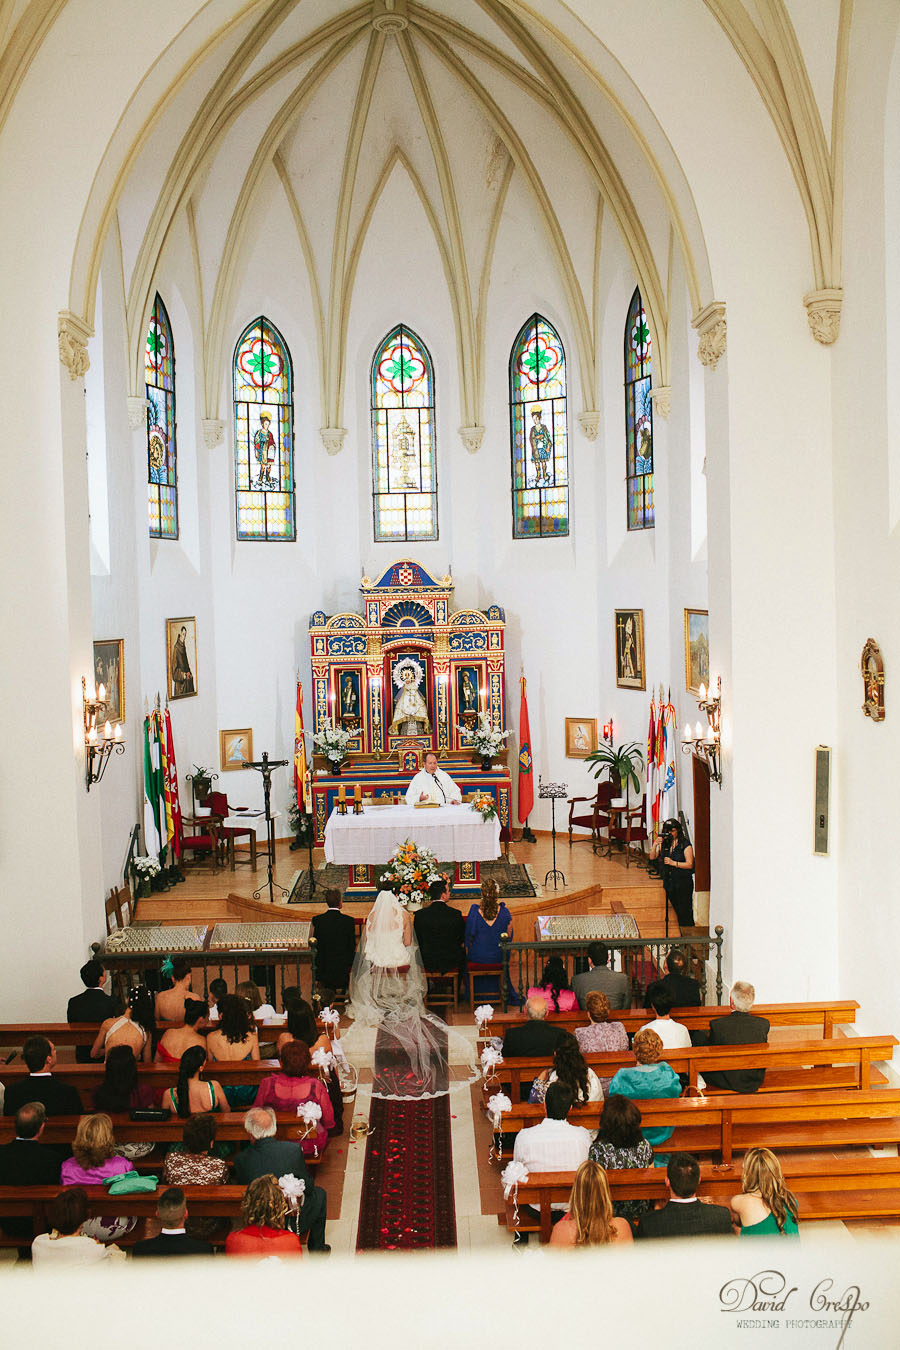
{"points": [[387, 369]]}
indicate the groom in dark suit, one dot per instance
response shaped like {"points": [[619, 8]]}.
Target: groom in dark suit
{"points": [[335, 935], [685, 1215], [440, 931]]}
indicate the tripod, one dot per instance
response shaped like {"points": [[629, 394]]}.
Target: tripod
{"points": [[265, 767]]}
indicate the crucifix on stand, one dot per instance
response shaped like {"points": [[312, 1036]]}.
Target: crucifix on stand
{"points": [[553, 790], [265, 767]]}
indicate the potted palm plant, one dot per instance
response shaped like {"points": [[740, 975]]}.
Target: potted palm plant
{"points": [[623, 765]]}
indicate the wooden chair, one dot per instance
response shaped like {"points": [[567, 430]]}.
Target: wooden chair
{"points": [[632, 829], [201, 837], [447, 997], [476, 972], [113, 912], [597, 818], [126, 905], [218, 805]]}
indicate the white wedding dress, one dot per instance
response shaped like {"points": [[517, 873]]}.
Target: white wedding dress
{"points": [[414, 1048]]}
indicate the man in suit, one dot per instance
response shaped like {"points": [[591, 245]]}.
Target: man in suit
{"points": [[91, 1005], [684, 990], [58, 1099], [440, 931], [171, 1210], [614, 984], [335, 935], [27, 1162], [684, 1215], [740, 1027], [553, 1145], [534, 1037], [265, 1154]]}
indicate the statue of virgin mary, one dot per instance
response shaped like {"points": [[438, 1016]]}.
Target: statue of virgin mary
{"points": [[410, 709]]}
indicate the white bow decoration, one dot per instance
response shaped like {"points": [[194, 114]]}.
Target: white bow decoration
{"points": [[310, 1113], [323, 1060], [511, 1175], [293, 1190], [329, 1015], [483, 1015], [490, 1058], [496, 1105]]}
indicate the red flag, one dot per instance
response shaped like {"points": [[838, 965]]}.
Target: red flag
{"points": [[172, 802], [526, 766], [301, 781]]}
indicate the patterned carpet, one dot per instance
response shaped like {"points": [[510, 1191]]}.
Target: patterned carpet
{"points": [[407, 1189], [513, 878]]}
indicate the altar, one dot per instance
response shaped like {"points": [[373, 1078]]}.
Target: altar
{"points": [[407, 675], [364, 843]]}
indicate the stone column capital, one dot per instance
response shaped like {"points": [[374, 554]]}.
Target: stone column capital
{"points": [[73, 334], [333, 439], [471, 438], [661, 398], [823, 312], [213, 432], [137, 411], [711, 326], [589, 421]]}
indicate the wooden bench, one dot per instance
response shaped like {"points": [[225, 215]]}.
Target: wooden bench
{"points": [[13, 1035], [827, 1188], [229, 1126], [827, 1062], [727, 1123], [825, 1015], [218, 1202], [88, 1077]]}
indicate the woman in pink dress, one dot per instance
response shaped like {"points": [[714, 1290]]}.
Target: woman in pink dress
{"points": [[555, 987], [295, 1084]]}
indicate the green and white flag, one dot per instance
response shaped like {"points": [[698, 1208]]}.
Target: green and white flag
{"points": [[152, 777]]}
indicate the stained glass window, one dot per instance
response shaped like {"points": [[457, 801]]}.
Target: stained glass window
{"points": [[263, 435], [404, 458], [638, 418], [539, 432], [159, 374]]}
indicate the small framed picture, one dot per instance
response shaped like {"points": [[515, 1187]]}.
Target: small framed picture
{"points": [[630, 648], [234, 747], [696, 649], [181, 657], [109, 670], [581, 737]]}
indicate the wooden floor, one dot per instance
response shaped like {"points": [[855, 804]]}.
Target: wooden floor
{"points": [[593, 885]]}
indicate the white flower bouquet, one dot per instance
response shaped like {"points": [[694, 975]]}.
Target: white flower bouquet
{"points": [[332, 742], [146, 867], [484, 739]]}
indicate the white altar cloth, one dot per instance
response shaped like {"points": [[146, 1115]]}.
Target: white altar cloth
{"points": [[451, 833]]}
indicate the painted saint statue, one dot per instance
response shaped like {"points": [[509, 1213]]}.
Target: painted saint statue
{"points": [[410, 709], [541, 443]]}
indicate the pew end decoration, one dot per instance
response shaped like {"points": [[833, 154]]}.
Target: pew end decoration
{"points": [[293, 1189], [483, 1014], [324, 1061], [310, 1113], [490, 1058], [512, 1174], [496, 1105]]}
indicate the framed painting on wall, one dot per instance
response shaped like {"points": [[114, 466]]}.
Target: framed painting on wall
{"points": [[234, 747], [109, 670], [181, 657], [630, 648], [581, 737], [696, 649]]}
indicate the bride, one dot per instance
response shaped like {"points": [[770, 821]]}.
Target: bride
{"points": [[413, 1047]]}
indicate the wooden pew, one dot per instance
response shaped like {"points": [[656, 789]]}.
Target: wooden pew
{"points": [[844, 1062], [826, 1015], [88, 1077], [13, 1035], [727, 1123], [229, 1125], [219, 1202], [826, 1188]]}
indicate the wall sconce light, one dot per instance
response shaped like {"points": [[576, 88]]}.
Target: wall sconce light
{"points": [[705, 742], [608, 731], [97, 747]]}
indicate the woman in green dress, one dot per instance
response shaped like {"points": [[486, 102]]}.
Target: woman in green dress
{"points": [[765, 1207]]}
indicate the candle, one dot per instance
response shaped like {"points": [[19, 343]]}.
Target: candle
{"points": [[702, 694], [342, 793], [357, 793], [107, 731], [118, 731], [101, 693]]}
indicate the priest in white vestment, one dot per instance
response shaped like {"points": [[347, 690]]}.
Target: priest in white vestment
{"points": [[431, 784]]}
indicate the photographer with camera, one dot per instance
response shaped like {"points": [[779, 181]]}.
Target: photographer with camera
{"points": [[677, 866]]}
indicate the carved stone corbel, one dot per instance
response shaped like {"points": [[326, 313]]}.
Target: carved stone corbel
{"points": [[213, 432], [471, 438], [589, 421], [333, 439], [661, 398], [73, 334], [710, 325], [823, 312], [137, 411]]}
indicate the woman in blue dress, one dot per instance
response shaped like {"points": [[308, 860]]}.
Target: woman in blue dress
{"points": [[485, 924]]}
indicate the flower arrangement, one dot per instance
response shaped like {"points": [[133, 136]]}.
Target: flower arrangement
{"points": [[485, 805], [332, 741], [486, 740], [147, 867], [411, 872]]}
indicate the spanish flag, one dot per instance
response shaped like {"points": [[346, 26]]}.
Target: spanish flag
{"points": [[526, 766], [301, 778]]}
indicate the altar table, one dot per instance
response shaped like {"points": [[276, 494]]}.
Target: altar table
{"points": [[452, 833]]}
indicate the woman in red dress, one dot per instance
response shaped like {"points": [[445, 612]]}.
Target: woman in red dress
{"points": [[264, 1210], [296, 1084]]}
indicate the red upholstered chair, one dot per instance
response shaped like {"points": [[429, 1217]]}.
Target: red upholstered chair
{"points": [[201, 838], [218, 805], [594, 816], [632, 830]]}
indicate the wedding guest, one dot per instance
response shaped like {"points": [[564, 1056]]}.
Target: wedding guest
{"points": [[66, 1245], [235, 1037], [26, 1161], [485, 925], [555, 987], [121, 1089], [174, 1238], [265, 1155], [296, 1084], [650, 1077], [94, 1160], [261, 1012], [217, 991], [173, 1043], [619, 1145], [56, 1097], [134, 1027], [93, 1004], [765, 1207], [191, 1094], [170, 1002], [265, 1233], [302, 1026], [196, 1163], [570, 1068], [589, 1221], [674, 1035], [602, 1036]]}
